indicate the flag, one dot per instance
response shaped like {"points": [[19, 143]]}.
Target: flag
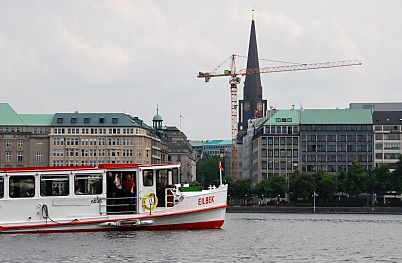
{"points": [[220, 166]]}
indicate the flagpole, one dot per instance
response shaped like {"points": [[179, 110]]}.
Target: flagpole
{"points": [[220, 173], [220, 177]]}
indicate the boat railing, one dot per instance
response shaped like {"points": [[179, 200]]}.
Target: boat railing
{"points": [[173, 197], [119, 205]]}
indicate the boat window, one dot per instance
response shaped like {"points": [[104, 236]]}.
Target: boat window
{"points": [[175, 176], [1, 186], [88, 184], [148, 177], [22, 186], [54, 185]]}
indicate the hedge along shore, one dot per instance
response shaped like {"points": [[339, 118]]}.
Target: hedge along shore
{"points": [[318, 210]]}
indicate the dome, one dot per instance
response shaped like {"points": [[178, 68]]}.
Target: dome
{"points": [[157, 117]]}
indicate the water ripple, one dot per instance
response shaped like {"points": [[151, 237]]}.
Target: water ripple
{"points": [[244, 238]]}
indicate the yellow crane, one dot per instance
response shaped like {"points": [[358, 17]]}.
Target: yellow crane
{"points": [[235, 79]]}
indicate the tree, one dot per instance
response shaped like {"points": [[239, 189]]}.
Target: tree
{"points": [[326, 186], [301, 185], [208, 170], [241, 188], [355, 181], [262, 188], [397, 176], [380, 180], [276, 185]]}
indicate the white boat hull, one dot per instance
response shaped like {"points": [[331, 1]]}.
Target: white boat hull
{"points": [[211, 218]]}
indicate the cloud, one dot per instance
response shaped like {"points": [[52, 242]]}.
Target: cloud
{"points": [[129, 55]]}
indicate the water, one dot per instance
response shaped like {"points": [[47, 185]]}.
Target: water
{"points": [[244, 238]]}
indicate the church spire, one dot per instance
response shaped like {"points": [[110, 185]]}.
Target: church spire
{"points": [[252, 105]]}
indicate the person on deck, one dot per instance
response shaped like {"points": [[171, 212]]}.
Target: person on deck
{"points": [[128, 186]]}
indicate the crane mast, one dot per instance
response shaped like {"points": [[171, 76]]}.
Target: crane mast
{"points": [[235, 80]]}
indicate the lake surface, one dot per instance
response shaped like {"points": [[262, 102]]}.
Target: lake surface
{"points": [[244, 238]]}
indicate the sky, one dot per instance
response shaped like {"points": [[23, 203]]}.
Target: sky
{"points": [[129, 56]]}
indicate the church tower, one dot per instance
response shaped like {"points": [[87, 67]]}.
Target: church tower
{"points": [[157, 121], [252, 105]]}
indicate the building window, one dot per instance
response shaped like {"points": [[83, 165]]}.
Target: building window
{"points": [[22, 186], [391, 146], [73, 120], [114, 120], [88, 184], [270, 139], [20, 157], [54, 185], [39, 157], [8, 143], [59, 120], [20, 143], [86, 120], [8, 157], [101, 120]]}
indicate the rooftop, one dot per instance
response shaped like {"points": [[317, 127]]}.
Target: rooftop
{"points": [[218, 142], [320, 116], [387, 117], [336, 116], [284, 117], [37, 119], [96, 120], [8, 116]]}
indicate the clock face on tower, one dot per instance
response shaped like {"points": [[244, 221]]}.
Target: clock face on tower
{"points": [[246, 106], [259, 106]]}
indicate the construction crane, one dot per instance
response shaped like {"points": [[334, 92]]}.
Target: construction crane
{"points": [[234, 80]]}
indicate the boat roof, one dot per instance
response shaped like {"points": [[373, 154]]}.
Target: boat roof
{"points": [[112, 166]]}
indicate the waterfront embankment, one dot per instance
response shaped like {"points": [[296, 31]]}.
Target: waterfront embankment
{"points": [[318, 210]]}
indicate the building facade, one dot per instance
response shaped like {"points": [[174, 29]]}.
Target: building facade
{"points": [[388, 137], [311, 140], [180, 151], [332, 139], [94, 138], [24, 139], [276, 145]]}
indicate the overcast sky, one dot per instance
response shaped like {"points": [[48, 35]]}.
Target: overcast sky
{"points": [[128, 56]]}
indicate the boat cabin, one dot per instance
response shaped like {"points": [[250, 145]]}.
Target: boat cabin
{"points": [[52, 193]]}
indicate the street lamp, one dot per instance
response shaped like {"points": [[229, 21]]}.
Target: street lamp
{"points": [[262, 195], [245, 199], [314, 195]]}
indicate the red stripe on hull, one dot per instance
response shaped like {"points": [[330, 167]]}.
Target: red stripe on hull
{"points": [[4, 228], [198, 225]]}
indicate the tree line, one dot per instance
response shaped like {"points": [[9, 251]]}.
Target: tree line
{"points": [[300, 186]]}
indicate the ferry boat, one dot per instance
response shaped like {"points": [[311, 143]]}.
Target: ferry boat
{"points": [[105, 198]]}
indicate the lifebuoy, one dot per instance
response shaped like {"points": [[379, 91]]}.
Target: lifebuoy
{"points": [[149, 201]]}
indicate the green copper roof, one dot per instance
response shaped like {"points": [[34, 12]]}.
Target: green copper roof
{"points": [[336, 116], [8, 116], [157, 117], [218, 142], [97, 120], [284, 117], [37, 119], [196, 143]]}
